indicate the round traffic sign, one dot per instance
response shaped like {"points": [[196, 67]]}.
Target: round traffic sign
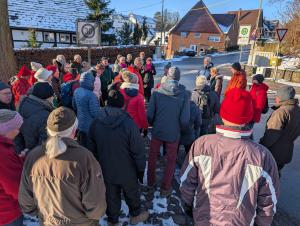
{"points": [[88, 30], [244, 31]]}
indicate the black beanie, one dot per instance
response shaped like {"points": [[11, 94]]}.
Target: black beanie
{"points": [[236, 66], [42, 90], [258, 77], [115, 99]]}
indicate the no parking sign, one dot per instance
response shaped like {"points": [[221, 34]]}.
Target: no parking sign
{"points": [[88, 33]]}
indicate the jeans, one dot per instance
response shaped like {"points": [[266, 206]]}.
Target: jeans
{"points": [[171, 149], [17, 222], [113, 200]]}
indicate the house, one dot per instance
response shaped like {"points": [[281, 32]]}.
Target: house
{"points": [[54, 21], [200, 30]]}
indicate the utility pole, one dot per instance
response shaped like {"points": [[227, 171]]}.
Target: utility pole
{"points": [[256, 27], [162, 22]]}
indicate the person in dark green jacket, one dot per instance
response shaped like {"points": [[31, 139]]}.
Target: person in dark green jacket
{"points": [[106, 79]]}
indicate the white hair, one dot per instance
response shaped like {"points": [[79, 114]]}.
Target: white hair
{"points": [[77, 56], [208, 59], [55, 146]]}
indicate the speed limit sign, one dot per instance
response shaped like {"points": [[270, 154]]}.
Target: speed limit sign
{"points": [[88, 33]]}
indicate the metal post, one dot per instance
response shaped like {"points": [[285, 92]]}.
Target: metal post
{"points": [[241, 52], [89, 56], [276, 67], [162, 23]]}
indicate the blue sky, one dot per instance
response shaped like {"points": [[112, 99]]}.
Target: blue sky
{"points": [[148, 8]]}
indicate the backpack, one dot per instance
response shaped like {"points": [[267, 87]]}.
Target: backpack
{"points": [[67, 94], [266, 108], [204, 104]]}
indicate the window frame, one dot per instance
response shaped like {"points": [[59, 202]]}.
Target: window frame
{"points": [[66, 35], [183, 36], [47, 40], [197, 35], [214, 38]]}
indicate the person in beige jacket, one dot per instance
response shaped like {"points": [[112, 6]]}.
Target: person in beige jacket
{"points": [[62, 182]]}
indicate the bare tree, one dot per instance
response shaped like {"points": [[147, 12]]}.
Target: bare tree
{"points": [[8, 63]]}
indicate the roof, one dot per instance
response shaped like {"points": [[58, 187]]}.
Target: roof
{"points": [[140, 19], [224, 21], [248, 17], [198, 19], [54, 15]]}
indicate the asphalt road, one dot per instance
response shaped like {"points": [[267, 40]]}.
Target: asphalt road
{"points": [[289, 201]]}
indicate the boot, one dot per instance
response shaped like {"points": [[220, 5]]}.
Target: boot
{"points": [[139, 218]]}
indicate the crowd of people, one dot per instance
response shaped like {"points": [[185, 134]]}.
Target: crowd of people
{"points": [[71, 138]]}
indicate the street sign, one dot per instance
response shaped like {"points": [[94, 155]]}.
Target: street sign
{"points": [[244, 35], [281, 32], [88, 33]]}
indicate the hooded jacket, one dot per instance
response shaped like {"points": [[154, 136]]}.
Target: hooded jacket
{"points": [[230, 180], [35, 112], [282, 129], [118, 145], [10, 174], [259, 98], [169, 111], [21, 85], [135, 106], [238, 80], [66, 190], [85, 103]]}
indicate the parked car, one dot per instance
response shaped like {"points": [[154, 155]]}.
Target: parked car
{"points": [[187, 52]]}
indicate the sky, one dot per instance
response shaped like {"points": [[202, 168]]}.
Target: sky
{"points": [[148, 8]]}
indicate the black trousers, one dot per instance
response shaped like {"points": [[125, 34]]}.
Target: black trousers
{"points": [[113, 199]]}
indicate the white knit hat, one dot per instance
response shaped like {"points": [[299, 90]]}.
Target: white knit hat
{"points": [[42, 75], [35, 66]]}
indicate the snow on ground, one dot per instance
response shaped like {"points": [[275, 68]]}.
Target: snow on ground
{"points": [[176, 59], [290, 63], [282, 81]]}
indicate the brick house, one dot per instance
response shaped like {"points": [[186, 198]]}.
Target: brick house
{"points": [[201, 30]]}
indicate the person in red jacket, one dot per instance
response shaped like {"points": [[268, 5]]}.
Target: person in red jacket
{"points": [[21, 85], [238, 80], [136, 70], [134, 101], [259, 96], [10, 169]]}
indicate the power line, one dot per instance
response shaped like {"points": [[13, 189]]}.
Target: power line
{"points": [[212, 5], [142, 7]]}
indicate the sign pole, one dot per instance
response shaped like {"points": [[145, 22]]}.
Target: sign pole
{"points": [[241, 52], [89, 56], [276, 67]]}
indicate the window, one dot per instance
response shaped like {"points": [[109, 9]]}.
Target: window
{"points": [[197, 35], [214, 38], [49, 37], [183, 34], [74, 39], [65, 38]]}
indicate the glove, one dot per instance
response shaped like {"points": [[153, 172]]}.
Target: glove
{"points": [[188, 209], [140, 176], [145, 132]]}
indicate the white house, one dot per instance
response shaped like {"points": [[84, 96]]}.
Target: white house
{"points": [[54, 21]]}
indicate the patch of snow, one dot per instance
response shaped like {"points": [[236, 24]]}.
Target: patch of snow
{"points": [[282, 81], [292, 63], [160, 205]]}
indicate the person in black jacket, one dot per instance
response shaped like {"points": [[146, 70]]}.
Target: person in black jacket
{"points": [[6, 97], [117, 144]]}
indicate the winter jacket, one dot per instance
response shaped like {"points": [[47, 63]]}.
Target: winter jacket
{"points": [[21, 85], [9, 106], [10, 174], [117, 68], [65, 190], [216, 84], [76, 65], [213, 101], [106, 78], [129, 63], [282, 129], [238, 80], [169, 111], [138, 74], [35, 112], [86, 104], [97, 87], [148, 78], [206, 70], [230, 180], [193, 132], [56, 85], [259, 98], [135, 106], [118, 145]]}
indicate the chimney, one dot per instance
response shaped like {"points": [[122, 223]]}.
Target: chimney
{"points": [[239, 14]]}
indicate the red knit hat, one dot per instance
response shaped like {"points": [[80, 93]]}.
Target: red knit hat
{"points": [[237, 107], [52, 68], [24, 71]]}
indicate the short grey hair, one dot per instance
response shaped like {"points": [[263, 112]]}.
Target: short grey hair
{"points": [[208, 59]]}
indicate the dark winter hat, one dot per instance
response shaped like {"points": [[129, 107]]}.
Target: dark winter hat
{"points": [[104, 58], [237, 107], [42, 90], [236, 66], [4, 86], [286, 93], [174, 73], [258, 77], [115, 99], [9, 120], [61, 119], [168, 66]]}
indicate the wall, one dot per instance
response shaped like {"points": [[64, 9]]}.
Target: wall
{"points": [[45, 56], [176, 42]]}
